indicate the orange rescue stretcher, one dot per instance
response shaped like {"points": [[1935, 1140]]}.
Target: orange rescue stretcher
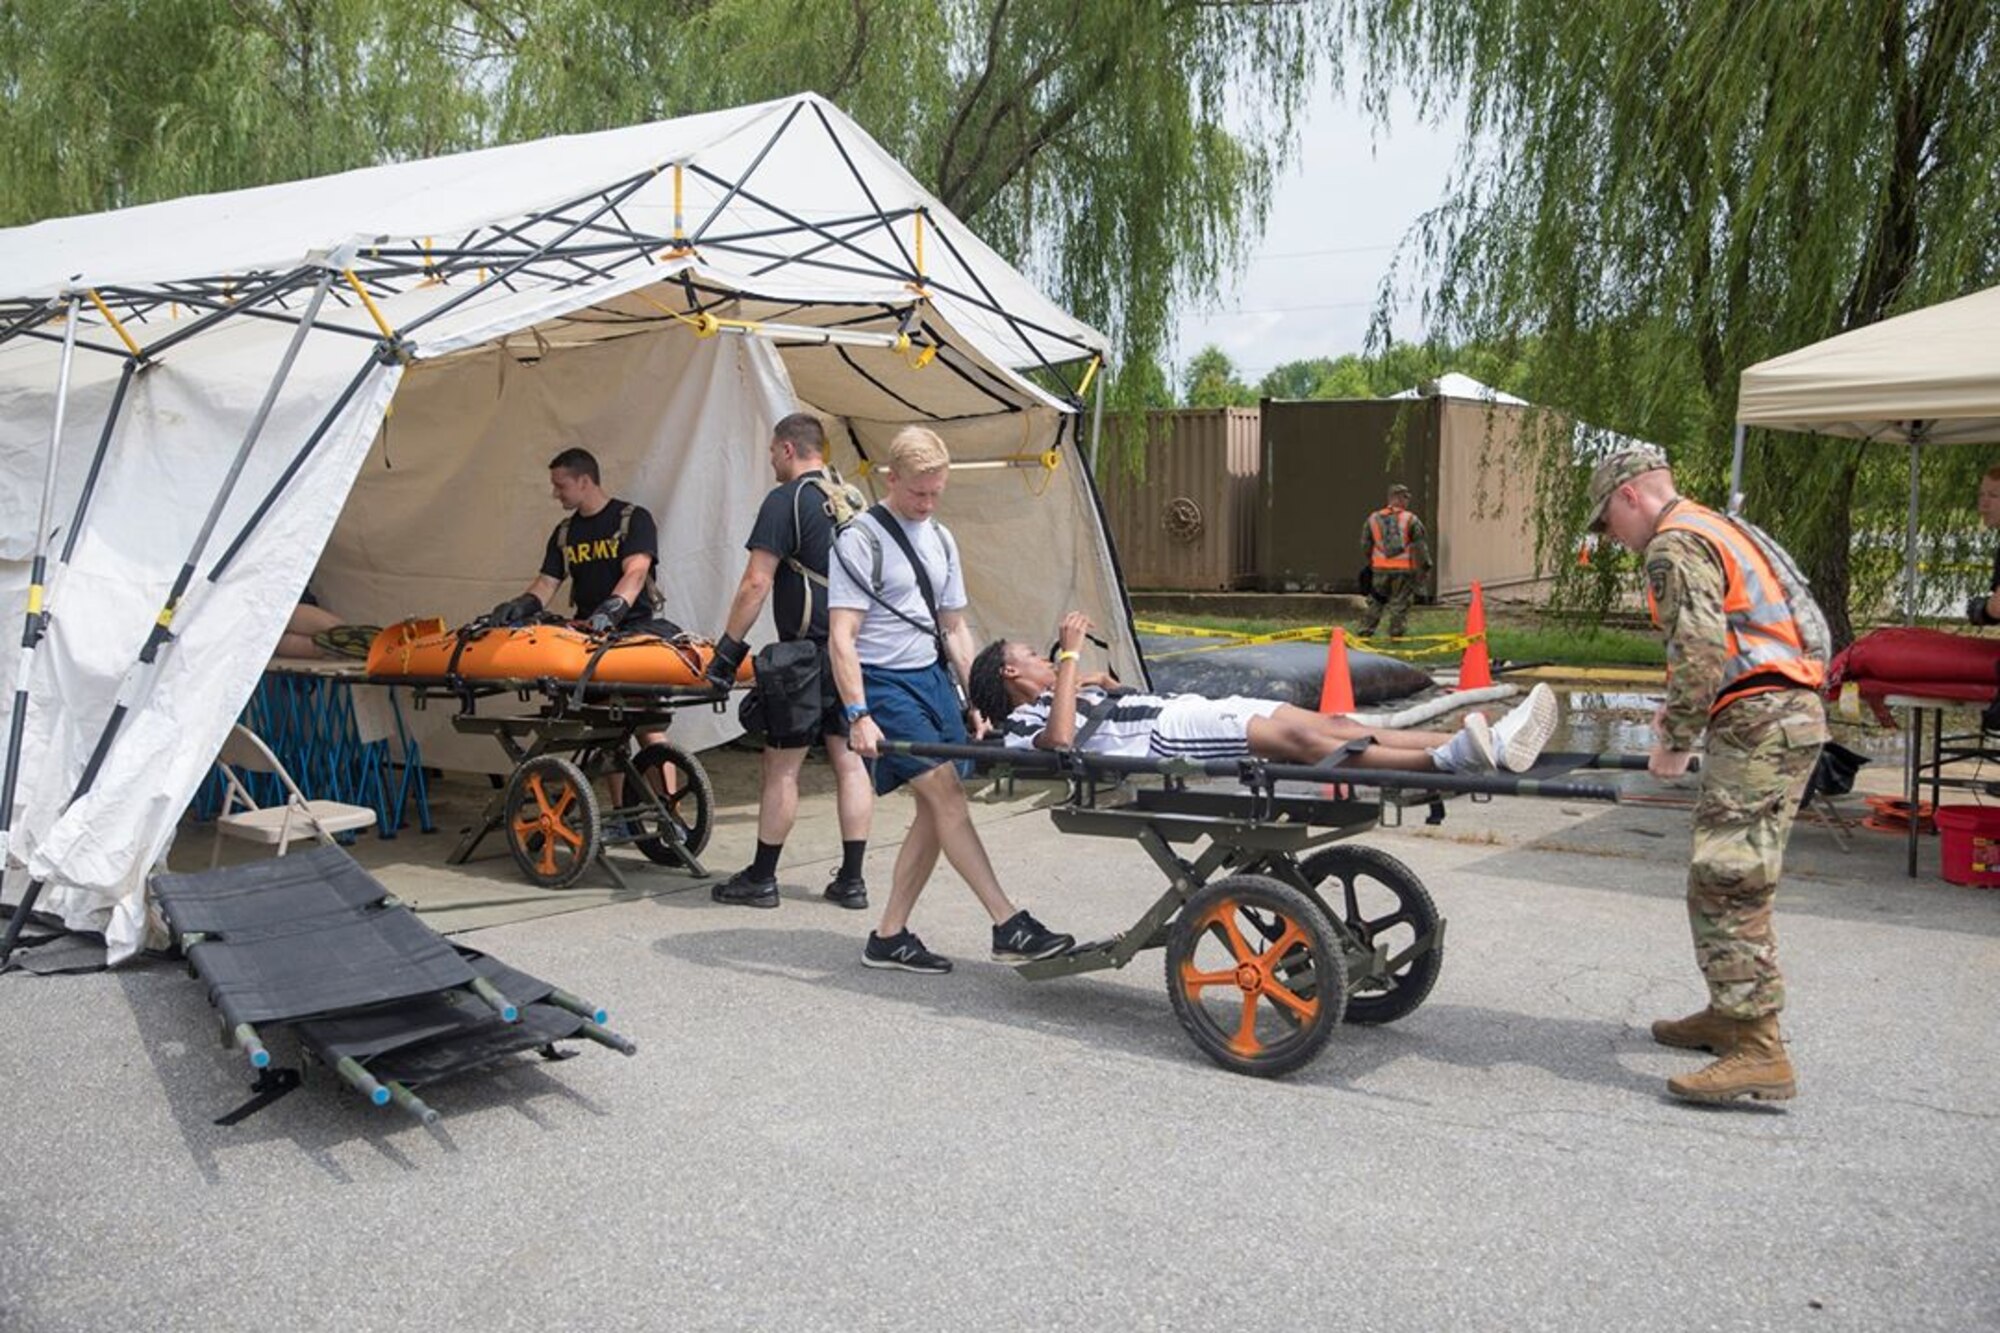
{"points": [[425, 648], [597, 694]]}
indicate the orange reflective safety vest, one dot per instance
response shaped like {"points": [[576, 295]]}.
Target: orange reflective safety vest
{"points": [[1389, 530], [1766, 649]]}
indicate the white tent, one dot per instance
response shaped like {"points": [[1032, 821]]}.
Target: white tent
{"points": [[1926, 378], [204, 401], [1453, 384], [1929, 377]]}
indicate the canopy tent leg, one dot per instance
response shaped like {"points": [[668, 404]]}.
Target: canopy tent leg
{"points": [[35, 620], [1096, 423], [1910, 536], [1736, 473], [139, 676]]}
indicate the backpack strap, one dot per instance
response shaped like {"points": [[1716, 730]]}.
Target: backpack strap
{"points": [[873, 586]]}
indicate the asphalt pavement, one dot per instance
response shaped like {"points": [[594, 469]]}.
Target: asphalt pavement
{"points": [[806, 1144]]}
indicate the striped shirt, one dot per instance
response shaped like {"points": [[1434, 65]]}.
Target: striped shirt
{"points": [[1126, 730]]}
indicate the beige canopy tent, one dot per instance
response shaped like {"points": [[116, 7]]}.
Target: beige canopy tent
{"points": [[1926, 378]]}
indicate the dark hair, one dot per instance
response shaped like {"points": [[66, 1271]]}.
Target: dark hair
{"points": [[803, 431], [577, 462], [985, 687]]}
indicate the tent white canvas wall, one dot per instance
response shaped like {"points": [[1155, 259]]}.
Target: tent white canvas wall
{"points": [[659, 294]]}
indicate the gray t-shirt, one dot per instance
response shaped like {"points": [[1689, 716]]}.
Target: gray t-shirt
{"points": [[886, 639]]}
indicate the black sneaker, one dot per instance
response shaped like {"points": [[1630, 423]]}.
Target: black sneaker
{"points": [[903, 951], [849, 893], [744, 889], [1022, 939]]}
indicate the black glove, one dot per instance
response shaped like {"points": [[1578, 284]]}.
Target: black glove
{"points": [[1975, 611], [516, 610], [608, 614], [723, 665]]}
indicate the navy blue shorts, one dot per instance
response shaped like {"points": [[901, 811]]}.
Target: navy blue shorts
{"points": [[916, 705]]}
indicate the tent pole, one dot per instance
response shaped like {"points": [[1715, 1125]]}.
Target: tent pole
{"points": [[31, 630], [1736, 473], [625, 190], [1910, 537], [1096, 423], [138, 677]]}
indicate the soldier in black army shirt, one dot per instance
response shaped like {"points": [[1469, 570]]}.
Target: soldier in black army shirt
{"points": [[606, 548]]}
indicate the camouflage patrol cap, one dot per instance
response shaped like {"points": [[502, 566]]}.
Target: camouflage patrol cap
{"points": [[1400, 489], [1634, 460]]}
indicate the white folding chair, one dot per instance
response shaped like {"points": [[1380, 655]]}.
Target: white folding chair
{"points": [[245, 753]]}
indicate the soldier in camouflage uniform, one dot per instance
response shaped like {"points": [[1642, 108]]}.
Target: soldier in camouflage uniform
{"points": [[1393, 541], [1739, 665]]}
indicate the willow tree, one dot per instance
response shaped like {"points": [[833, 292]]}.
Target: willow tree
{"points": [[1121, 151], [1656, 194]]}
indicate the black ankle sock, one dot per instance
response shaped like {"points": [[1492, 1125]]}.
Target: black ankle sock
{"points": [[766, 864], [850, 858]]}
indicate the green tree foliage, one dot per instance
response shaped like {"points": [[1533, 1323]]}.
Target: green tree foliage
{"points": [[1397, 367], [1211, 381], [1660, 194], [1106, 148]]}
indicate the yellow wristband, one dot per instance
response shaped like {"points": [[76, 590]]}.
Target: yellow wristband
{"points": [[1066, 655]]}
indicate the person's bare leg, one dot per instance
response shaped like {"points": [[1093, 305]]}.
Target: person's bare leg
{"points": [[942, 795], [853, 793], [670, 776], [1294, 736], [778, 793], [914, 862]]}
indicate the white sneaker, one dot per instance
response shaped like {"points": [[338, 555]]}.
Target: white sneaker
{"points": [[1527, 727], [1470, 750]]}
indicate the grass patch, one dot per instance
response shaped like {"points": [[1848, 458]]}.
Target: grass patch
{"points": [[1512, 636]]}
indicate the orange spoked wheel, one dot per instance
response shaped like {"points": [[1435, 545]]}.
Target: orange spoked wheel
{"points": [[684, 810], [1391, 920], [1256, 974], [551, 821]]}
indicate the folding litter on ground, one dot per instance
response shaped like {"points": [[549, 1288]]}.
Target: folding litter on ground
{"points": [[315, 943]]}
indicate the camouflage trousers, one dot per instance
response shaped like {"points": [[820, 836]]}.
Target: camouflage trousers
{"points": [[1397, 589], [1761, 751]]}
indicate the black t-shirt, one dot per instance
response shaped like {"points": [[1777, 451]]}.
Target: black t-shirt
{"points": [[596, 556], [1994, 586], [793, 522]]}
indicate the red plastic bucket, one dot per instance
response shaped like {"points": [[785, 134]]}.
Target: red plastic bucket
{"points": [[1971, 853]]}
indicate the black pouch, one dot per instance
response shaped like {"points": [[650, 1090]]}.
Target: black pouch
{"points": [[788, 686]]}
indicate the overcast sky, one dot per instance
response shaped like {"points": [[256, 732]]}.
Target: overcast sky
{"points": [[1336, 217]]}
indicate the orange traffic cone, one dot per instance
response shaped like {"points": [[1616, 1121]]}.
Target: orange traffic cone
{"points": [[1475, 669], [1336, 691]]}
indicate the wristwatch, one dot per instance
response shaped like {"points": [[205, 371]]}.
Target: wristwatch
{"points": [[855, 712]]}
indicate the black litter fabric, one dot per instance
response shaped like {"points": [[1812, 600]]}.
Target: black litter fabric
{"points": [[327, 965], [255, 896], [311, 941], [453, 1013], [482, 1040]]}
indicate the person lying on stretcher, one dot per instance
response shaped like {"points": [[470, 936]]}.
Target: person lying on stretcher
{"points": [[1033, 701]]}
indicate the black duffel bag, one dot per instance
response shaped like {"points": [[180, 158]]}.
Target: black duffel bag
{"points": [[791, 690]]}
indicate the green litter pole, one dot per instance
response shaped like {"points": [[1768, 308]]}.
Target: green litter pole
{"points": [[412, 1103], [247, 1042], [582, 1008], [499, 1003], [604, 1036], [361, 1080]]}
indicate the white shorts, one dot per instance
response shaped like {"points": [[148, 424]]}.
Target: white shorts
{"points": [[1191, 727]]}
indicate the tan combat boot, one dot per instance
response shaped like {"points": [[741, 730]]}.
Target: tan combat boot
{"points": [[1755, 1067], [1705, 1031]]}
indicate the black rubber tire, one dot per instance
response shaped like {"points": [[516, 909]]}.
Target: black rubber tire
{"points": [[1378, 898], [692, 808], [551, 821], [1288, 948]]}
